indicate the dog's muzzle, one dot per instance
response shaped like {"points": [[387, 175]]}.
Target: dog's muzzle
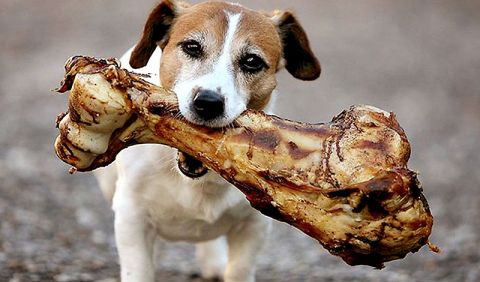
{"points": [[190, 166]]}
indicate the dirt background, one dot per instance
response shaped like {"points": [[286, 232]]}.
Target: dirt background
{"points": [[420, 59]]}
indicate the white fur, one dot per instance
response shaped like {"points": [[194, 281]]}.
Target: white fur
{"points": [[150, 197], [221, 77]]}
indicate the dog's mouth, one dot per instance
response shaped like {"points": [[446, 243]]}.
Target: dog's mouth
{"points": [[190, 166]]}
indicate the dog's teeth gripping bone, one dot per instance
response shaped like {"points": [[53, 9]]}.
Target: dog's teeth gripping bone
{"points": [[344, 183]]}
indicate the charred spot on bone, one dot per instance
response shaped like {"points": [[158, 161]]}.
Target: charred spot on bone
{"points": [[268, 140], [367, 144], [156, 108], [297, 153]]}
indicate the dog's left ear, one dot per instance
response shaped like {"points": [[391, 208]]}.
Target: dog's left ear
{"points": [[300, 60], [155, 32]]}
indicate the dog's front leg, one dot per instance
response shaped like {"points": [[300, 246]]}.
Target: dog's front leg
{"points": [[134, 237], [212, 258], [244, 244]]}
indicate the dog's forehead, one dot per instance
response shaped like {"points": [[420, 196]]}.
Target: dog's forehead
{"points": [[213, 18]]}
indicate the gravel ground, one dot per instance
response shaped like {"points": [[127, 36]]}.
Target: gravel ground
{"points": [[420, 59]]}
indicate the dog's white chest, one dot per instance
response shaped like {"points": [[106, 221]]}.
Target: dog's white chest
{"points": [[187, 213], [184, 228], [177, 208]]}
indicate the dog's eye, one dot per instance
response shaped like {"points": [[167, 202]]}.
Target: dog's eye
{"points": [[252, 63], [192, 48]]}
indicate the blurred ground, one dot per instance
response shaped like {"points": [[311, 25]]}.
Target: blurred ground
{"points": [[420, 59]]}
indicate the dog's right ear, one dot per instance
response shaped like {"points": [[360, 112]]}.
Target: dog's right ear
{"points": [[155, 32]]}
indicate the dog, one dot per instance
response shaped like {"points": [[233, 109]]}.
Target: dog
{"points": [[220, 59]]}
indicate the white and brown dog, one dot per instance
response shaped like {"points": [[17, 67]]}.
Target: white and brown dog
{"points": [[220, 59]]}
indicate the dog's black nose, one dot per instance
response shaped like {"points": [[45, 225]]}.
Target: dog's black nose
{"points": [[208, 104]]}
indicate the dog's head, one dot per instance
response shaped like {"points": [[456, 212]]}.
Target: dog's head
{"points": [[222, 58]]}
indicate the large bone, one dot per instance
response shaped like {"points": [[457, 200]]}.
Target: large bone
{"points": [[345, 183]]}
